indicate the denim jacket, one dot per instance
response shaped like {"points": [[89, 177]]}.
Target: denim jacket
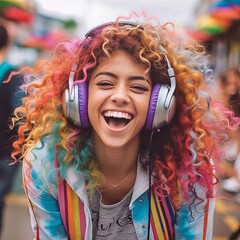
{"points": [[47, 221]]}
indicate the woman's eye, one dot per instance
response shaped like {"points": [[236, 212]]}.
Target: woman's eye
{"points": [[139, 88], [104, 83]]}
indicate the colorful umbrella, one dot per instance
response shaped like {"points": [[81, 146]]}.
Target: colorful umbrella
{"points": [[227, 13], [17, 14], [47, 41], [221, 3], [235, 2], [225, 4], [220, 17], [16, 3], [210, 25]]}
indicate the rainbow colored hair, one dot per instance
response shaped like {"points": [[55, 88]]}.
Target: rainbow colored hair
{"points": [[195, 136]]}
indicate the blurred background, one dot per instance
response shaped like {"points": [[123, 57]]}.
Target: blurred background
{"points": [[36, 26]]}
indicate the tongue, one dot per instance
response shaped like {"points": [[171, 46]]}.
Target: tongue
{"points": [[117, 122]]}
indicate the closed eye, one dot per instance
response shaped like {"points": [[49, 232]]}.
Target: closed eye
{"points": [[104, 83], [140, 88]]}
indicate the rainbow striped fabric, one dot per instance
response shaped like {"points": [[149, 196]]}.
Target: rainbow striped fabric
{"points": [[72, 212], [73, 217], [162, 218]]}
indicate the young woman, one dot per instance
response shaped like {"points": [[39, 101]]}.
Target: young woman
{"points": [[119, 137]]}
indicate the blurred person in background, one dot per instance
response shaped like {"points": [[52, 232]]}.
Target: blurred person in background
{"points": [[231, 88], [9, 99], [121, 136], [229, 83]]}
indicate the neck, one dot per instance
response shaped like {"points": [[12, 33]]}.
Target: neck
{"points": [[117, 162], [118, 167]]}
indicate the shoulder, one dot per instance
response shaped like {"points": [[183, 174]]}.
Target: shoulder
{"points": [[40, 155], [16, 79], [39, 166], [6, 68]]}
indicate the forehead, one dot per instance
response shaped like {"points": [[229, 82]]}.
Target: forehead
{"points": [[122, 61]]}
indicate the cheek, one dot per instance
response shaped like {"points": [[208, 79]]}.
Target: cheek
{"points": [[143, 107], [92, 102], [145, 102]]}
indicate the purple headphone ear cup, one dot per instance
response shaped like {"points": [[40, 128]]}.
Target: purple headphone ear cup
{"points": [[83, 104], [152, 106], [159, 115]]}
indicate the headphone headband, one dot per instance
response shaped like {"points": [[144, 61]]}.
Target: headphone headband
{"points": [[96, 29], [70, 82]]}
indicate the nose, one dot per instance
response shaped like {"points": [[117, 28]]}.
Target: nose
{"points": [[120, 96]]}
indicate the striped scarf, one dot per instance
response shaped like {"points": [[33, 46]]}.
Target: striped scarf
{"points": [[73, 216], [72, 211], [162, 218]]}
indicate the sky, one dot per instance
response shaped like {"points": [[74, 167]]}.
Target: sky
{"points": [[91, 13]]}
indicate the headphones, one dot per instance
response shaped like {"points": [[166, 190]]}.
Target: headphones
{"points": [[161, 106]]}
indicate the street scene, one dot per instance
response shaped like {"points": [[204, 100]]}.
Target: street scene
{"points": [[104, 100]]}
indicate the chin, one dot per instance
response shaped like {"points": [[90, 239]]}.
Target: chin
{"points": [[114, 143]]}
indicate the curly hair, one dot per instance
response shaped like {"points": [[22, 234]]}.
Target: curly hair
{"points": [[185, 151]]}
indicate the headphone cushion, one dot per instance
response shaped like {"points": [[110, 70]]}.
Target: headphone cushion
{"points": [[152, 106], [83, 104], [65, 102]]}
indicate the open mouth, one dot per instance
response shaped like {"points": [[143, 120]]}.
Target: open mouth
{"points": [[117, 120]]}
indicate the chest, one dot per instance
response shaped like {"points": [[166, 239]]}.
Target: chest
{"points": [[77, 219]]}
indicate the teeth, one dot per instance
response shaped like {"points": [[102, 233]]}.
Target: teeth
{"points": [[117, 114]]}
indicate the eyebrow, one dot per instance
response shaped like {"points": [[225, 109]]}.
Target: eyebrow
{"points": [[116, 77]]}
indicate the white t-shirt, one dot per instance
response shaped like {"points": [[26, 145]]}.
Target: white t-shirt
{"points": [[112, 221]]}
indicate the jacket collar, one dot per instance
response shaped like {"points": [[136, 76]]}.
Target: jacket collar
{"points": [[141, 183]]}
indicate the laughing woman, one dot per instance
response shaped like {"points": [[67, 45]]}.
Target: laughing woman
{"points": [[119, 137]]}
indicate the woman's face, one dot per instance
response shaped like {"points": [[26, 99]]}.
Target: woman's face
{"points": [[231, 87], [119, 93]]}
